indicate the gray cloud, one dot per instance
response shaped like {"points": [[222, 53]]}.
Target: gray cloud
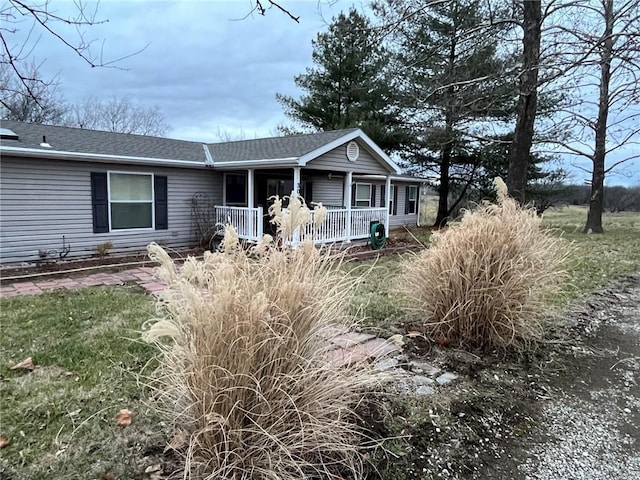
{"points": [[203, 69]]}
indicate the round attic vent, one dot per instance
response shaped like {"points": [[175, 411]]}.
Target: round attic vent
{"points": [[353, 151]]}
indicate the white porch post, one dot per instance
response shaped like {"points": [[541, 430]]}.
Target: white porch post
{"points": [[296, 192], [250, 201], [388, 197], [296, 180], [348, 179]]}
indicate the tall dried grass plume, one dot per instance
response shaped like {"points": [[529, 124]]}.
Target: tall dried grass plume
{"points": [[244, 371], [485, 282], [297, 222]]}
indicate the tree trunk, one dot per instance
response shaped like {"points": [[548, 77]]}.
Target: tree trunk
{"points": [[596, 203], [520, 153], [463, 192], [443, 192], [447, 149]]}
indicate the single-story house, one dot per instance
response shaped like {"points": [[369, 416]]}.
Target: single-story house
{"points": [[76, 191]]}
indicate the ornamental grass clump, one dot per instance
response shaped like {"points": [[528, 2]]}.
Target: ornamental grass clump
{"points": [[485, 282], [244, 373]]}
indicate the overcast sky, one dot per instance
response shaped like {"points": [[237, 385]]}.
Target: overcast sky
{"points": [[208, 65], [204, 64]]}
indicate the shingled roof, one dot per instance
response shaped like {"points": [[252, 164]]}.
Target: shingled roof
{"points": [[78, 140], [291, 146], [84, 144]]}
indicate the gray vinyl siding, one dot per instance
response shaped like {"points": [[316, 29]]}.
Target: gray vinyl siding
{"points": [[401, 219], [336, 160], [329, 192], [394, 220], [42, 200]]}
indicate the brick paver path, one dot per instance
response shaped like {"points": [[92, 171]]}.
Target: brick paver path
{"points": [[345, 348], [143, 276]]}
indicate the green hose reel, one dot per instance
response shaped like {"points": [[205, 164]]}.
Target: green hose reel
{"points": [[378, 235]]}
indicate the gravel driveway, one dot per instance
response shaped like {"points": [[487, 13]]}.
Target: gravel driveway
{"points": [[590, 421]]}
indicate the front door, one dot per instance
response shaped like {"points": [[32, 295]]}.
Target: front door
{"points": [[269, 186]]}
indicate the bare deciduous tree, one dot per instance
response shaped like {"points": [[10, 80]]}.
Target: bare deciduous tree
{"points": [[117, 115], [606, 119], [41, 20], [37, 102]]}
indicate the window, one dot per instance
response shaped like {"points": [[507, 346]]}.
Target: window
{"points": [[392, 200], [363, 195], [235, 190], [130, 200], [124, 201], [412, 200]]}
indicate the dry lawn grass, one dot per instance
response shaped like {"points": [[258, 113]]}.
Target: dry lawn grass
{"points": [[244, 373], [485, 282]]}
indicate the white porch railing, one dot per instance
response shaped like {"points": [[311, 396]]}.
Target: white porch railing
{"points": [[334, 227], [361, 219], [247, 221]]}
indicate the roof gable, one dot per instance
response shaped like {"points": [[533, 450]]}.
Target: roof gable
{"points": [[273, 148], [290, 150]]}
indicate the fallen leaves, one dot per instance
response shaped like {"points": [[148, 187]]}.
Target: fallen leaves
{"points": [[4, 441], [124, 417], [26, 364]]}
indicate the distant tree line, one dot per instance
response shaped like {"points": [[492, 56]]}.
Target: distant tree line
{"points": [[616, 198], [32, 100]]}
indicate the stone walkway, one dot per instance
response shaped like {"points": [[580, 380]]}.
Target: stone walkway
{"points": [[345, 348]]}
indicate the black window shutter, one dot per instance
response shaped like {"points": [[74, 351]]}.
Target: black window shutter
{"points": [[373, 195], [353, 195], [99, 202], [406, 200], [395, 200], [383, 195], [161, 204]]}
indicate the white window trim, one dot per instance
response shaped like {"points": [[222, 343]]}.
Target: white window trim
{"points": [[362, 200], [414, 199], [153, 202], [392, 192]]}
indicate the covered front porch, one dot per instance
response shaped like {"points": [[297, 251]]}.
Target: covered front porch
{"points": [[351, 205]]}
